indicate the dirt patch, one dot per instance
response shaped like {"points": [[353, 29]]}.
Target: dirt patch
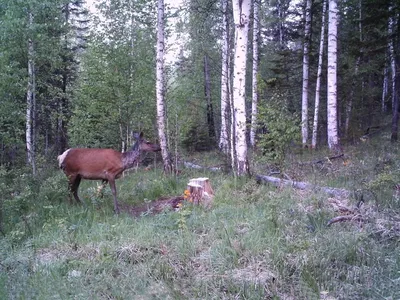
{"points": [[154, 207]]}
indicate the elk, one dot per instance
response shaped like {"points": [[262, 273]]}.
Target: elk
{"points": [[101, 164]]}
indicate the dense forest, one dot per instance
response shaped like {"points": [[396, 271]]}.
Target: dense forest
{"points": [[316, 72], [229, 90]]}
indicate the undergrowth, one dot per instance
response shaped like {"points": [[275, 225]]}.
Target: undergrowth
{"points": [[255, 242]]}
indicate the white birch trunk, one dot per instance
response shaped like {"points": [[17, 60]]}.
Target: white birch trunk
{"points": [[31, 102], [241, 16], [254, 103], [333, 140], [319, 75], [306, 59], [223, 137], [161, 115]]}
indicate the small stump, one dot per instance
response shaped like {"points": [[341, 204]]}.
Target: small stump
{"points": [[200, 191]]}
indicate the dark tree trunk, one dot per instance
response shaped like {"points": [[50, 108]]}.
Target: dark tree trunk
{"points": [[395, 111], [396, 85], [207, 92]]}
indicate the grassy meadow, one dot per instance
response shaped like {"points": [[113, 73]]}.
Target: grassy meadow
{"points": [[257, 241]]}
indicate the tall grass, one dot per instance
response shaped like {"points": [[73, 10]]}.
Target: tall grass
{"points": [[255, 242]]}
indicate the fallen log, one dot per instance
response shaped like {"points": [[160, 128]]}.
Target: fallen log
{"points": [[303, 185], [336, 192], [194, 166]]}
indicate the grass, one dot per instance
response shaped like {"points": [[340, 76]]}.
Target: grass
{"points": [[256, 242]]}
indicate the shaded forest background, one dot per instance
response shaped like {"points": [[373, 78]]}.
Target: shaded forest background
{"points": [[95, 74]]}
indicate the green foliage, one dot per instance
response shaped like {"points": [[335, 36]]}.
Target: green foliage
{"points": [[197, 138], [56, 44], [280, 130], [115, 93]]}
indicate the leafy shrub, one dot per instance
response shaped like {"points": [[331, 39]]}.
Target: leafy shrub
{"points": [[278, 130]]}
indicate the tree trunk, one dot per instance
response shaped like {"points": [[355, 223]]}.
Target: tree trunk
{"points": [[161, 115], [333, 139], [335, 192], [391, 26], [241, 15], [395, 115], [280, 22], [207, 92], [254, 103], [396, 81], [223, 138], [306, 59], [349, 105], [319, 75], [200, 192], [31, 102], [385, 87]]}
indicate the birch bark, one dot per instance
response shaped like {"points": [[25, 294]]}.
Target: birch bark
{"points": [[161, 115], [319, 75], [223, 137], [306, 59], [241, 16], [333, 139]]}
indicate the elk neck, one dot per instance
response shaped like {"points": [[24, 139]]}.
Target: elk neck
{"points": [[130, 157]]}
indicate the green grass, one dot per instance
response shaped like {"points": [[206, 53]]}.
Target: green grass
{"points": [[255, 242]]}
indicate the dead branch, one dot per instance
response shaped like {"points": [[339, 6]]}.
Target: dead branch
{"points": [[344, 219], [322, 160], [338, 206]]}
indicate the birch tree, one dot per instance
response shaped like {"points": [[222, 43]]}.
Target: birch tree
{"points": [[254, 103], [223, 137], [333, 140], [319, 75], [241, 16], [306, 58], [31, 98], [161, 115]]}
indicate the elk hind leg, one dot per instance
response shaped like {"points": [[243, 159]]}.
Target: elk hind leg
{"points": [[74, 182]]}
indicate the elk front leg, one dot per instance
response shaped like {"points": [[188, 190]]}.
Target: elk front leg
{"points": [[114, 192]]}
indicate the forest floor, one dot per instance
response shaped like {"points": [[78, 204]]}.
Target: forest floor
{"points": [[256, 241]]}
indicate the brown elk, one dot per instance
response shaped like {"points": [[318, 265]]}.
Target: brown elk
{"points": [[101, 164]]}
